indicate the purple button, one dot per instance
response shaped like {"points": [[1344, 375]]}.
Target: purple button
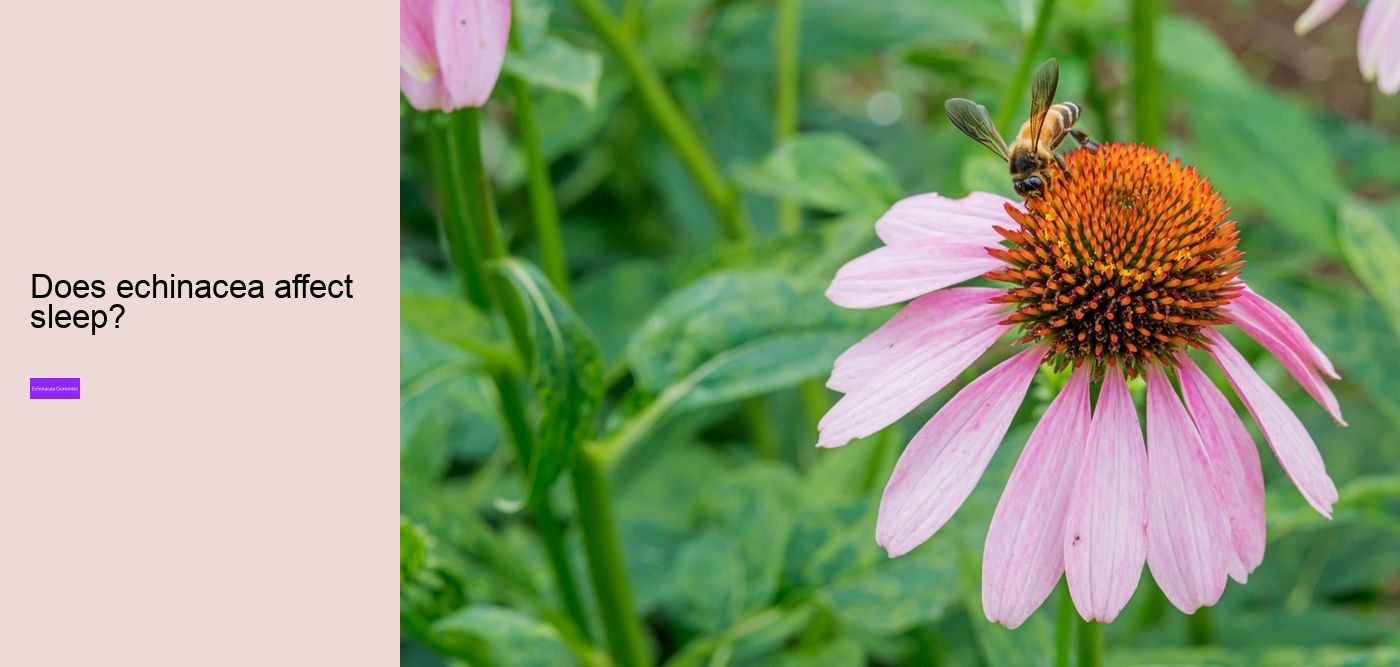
{"points": [[54, 388]]}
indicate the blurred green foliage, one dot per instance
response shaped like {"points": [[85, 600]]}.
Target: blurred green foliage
{"points": [[695, 361]]}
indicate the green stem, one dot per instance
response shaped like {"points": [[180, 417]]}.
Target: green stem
{"points": [[760, 429], [1020, 84], [597, 522], [513, 408], [452, 220], [543, 210], [461, 158], [667, 114], [1200, 630], [1090, 644], [785, 114], [1064, 628], [603, 545], [1147, 112]]}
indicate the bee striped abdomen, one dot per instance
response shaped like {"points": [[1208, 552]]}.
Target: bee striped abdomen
{"points": [[1067, 113]]}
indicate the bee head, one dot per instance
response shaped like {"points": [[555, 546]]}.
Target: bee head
{"points": [[1023, 162], [1028, 187]]}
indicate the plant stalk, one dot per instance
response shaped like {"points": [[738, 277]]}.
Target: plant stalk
{"points": [[1021, 82], [1064, 628], [1090, 644], [786, 31], [466, 177], [597, 520], [666, 113], [543, 210], [1147, 102], [602, 543]]}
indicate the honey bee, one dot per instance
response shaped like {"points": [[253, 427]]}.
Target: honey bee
{"points": [[1033, 151]]}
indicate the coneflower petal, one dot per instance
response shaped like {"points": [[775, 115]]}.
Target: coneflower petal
{"points": [[471, 37], [1188, 532], [1389, 65], [1235, 461], [910, 379], [1106, 531], [896, 273], [1264, 314], [938, 318], [423, 95], [947, 456], [1292, 356], [1371, 38], [1292, 445], [933, 215], [1024, 555], [1317, 13], [417, 53]]}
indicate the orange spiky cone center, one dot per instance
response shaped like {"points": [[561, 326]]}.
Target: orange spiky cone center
{"points": [[1124, 261]]}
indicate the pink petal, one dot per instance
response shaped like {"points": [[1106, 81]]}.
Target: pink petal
{"points": [[1025, 549], [1292, 445], [901, 272], [1316, 13], [1188, 532], [1291, 356], [471, 40], [1389, 65], [1235, 461], [933, 215], [1377, 26], [417, 53], [1263, 314], [423, 95], [926, 364], [932, 315], [1106, 531], [945, 459]]}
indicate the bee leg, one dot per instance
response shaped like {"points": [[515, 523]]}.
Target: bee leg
{"points": [[1083, 138], [1060, 160]]}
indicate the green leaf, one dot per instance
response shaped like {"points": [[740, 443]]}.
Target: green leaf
{"points": [[896, 595], [1370, 239], [838, 652], [1235, 130], [455, 322], [503, 637], [829, 172], [566, 373], [558, 65], [725, 311], [756, 504], [708, 588]]}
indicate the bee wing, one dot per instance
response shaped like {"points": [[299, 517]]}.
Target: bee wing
{"points": [[1043, 86], [972, 119]]}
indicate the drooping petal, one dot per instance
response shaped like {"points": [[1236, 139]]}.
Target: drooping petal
{"points": [[1234, 460], [1378, 24], [423, 95], [1024, 554], [1260, 313], [471, 37], [947, 456], [927, 364], [1188, 531], [1316, 13], [939, 315], [1292, 445], [933, 215], [1105, 542], [1299, 366], [901, 272], [1389, 66], [417, 52]]}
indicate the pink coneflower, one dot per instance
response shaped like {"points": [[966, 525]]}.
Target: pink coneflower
{"points": [[451, 51], [1119, 269], [1377, 42]]}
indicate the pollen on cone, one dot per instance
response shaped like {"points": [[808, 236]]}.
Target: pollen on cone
{"points": [[1124, 260]]}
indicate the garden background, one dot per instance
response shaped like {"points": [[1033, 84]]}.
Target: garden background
{"points": [[712, 162]]}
